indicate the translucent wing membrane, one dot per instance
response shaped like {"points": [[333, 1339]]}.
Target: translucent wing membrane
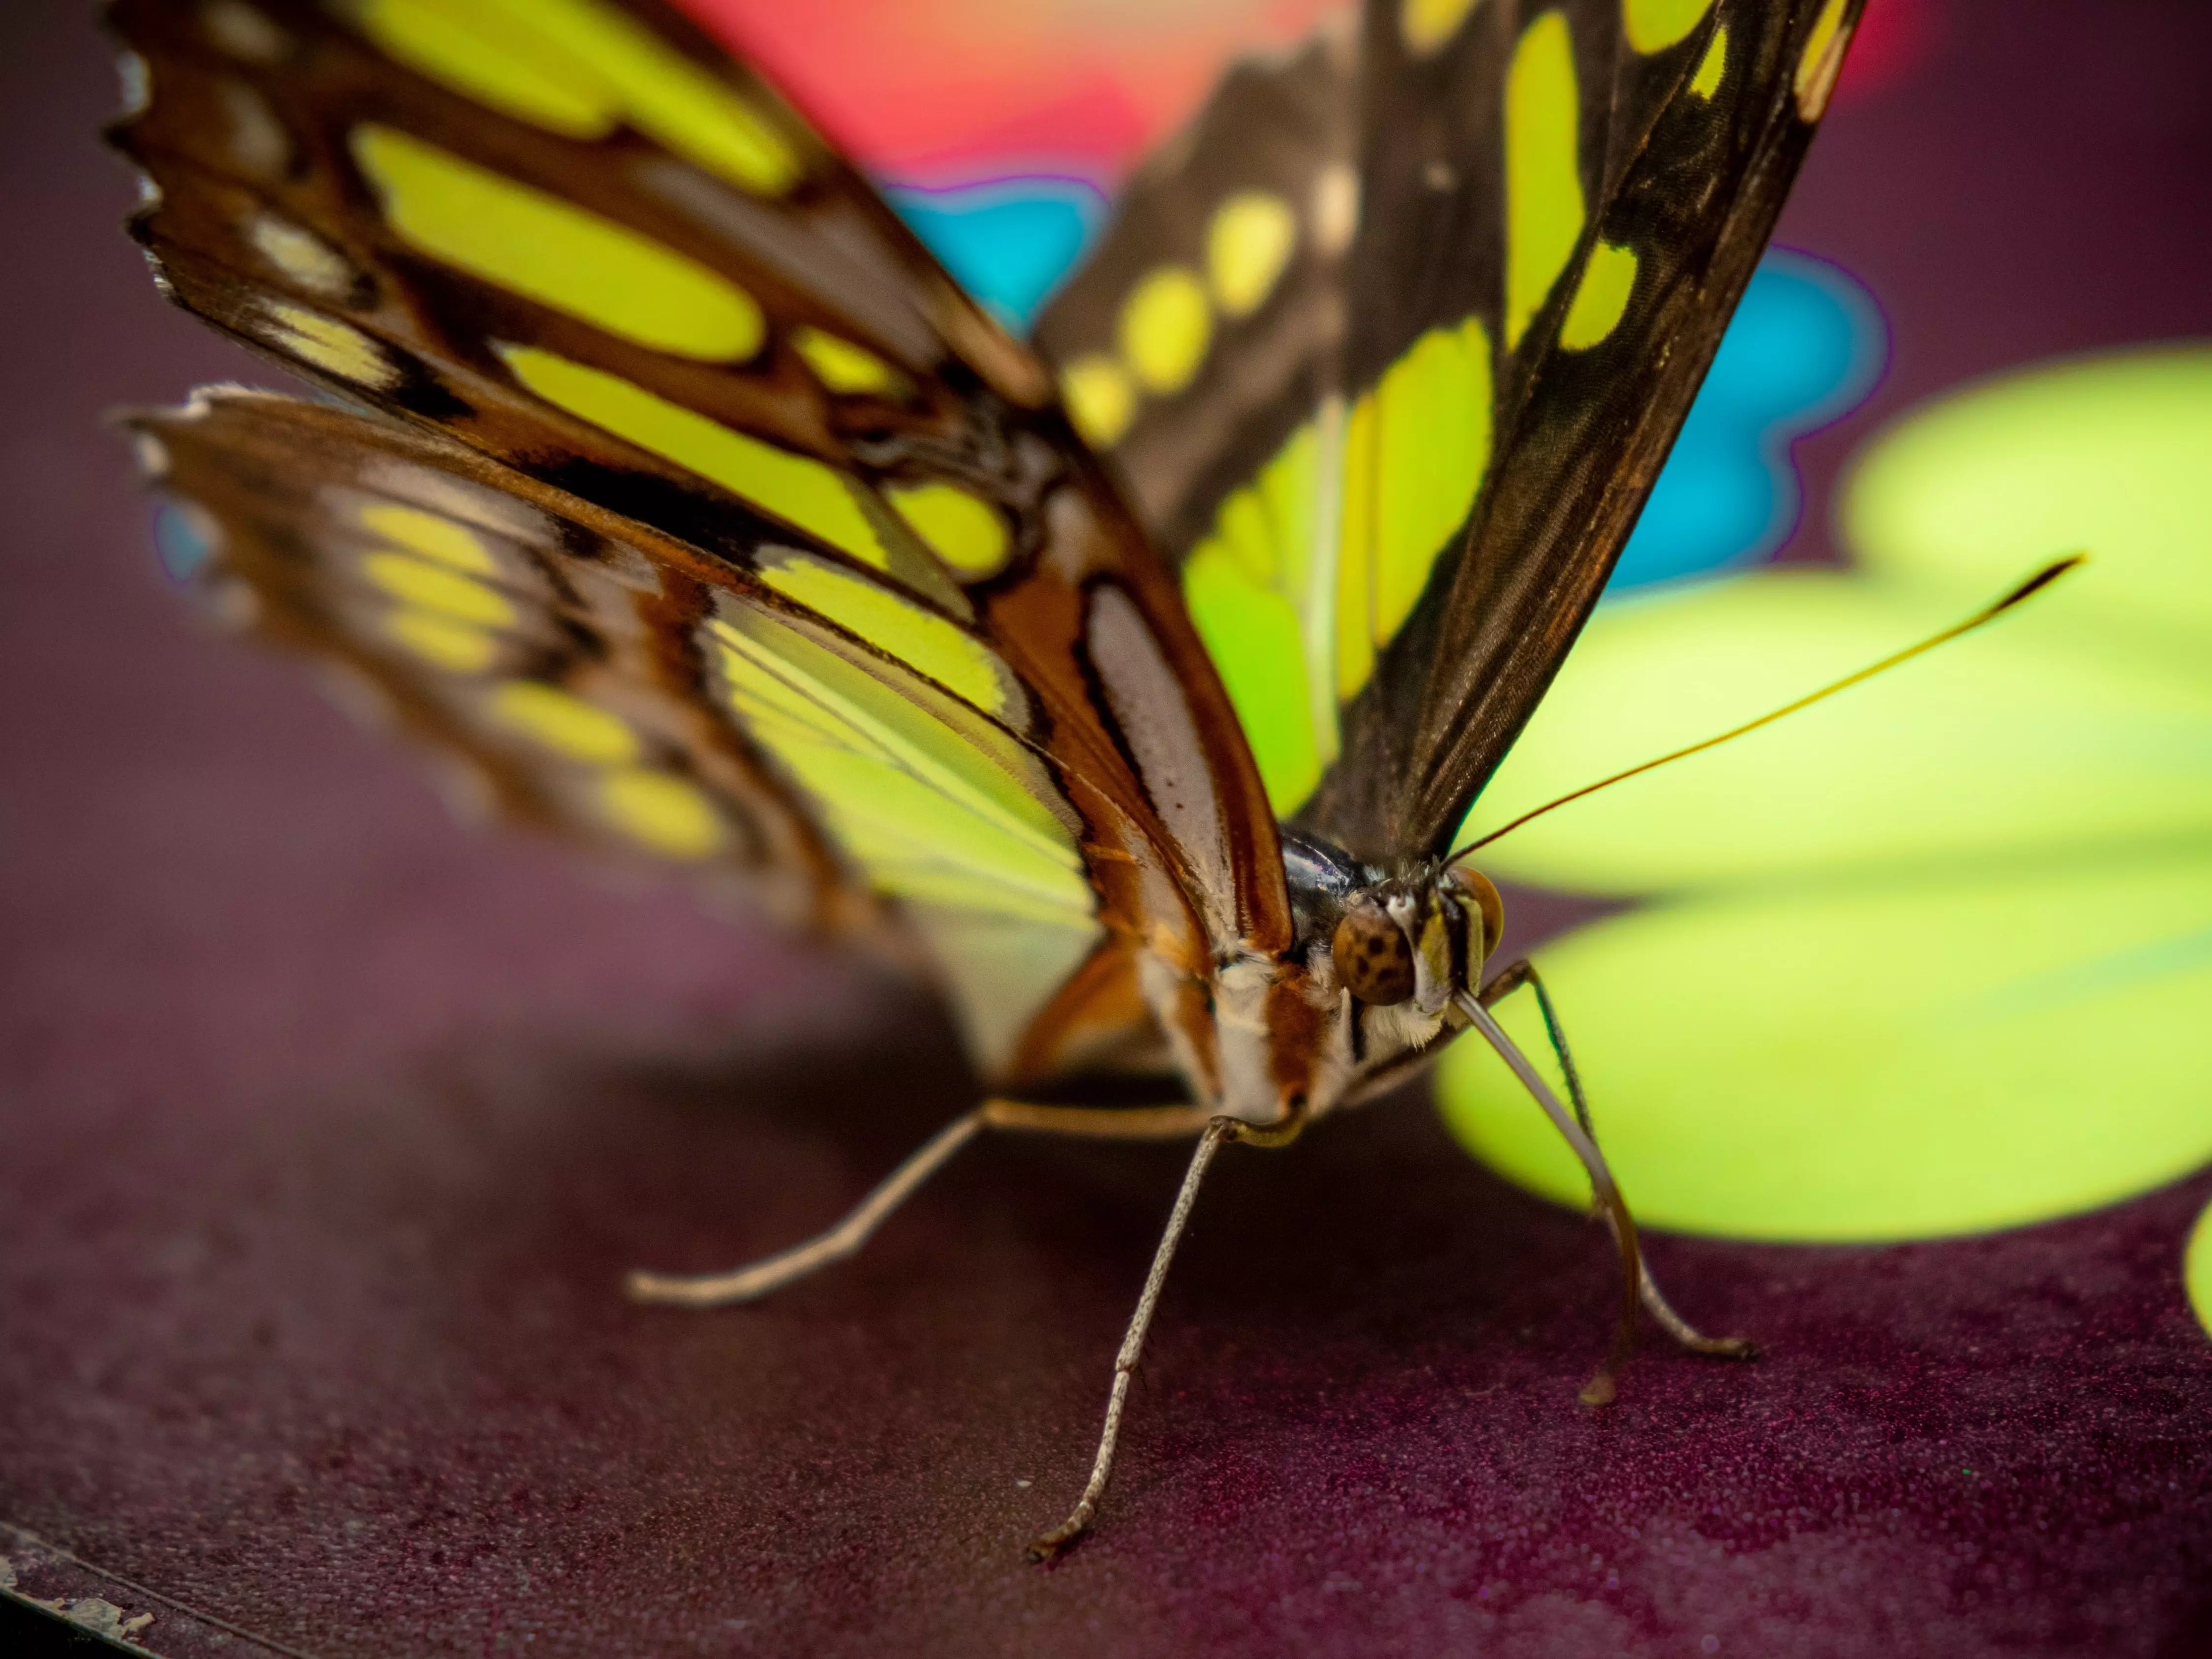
{"points": [[626, 278], [543, 659], [1480, 342]]}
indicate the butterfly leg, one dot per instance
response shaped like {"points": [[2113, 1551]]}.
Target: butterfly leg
{"points": [[1509, 979], [773, 1272], [1045, 1548]]}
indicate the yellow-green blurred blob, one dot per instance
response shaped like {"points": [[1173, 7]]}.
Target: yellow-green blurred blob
{"points": [[2018, 740], [2197, 1269], [1875, 1061], [2107, 455]]}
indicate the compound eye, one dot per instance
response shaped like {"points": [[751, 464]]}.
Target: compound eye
{"points": [[1373, 960], [1475, 889]]}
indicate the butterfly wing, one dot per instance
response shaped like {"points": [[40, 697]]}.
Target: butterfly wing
{"points": [[1556, 209], [1209, 321], [577, 241]]}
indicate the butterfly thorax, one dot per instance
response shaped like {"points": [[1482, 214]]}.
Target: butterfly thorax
{"points": [[1365, 994]]}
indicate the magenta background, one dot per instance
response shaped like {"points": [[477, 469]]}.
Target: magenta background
{"points": [[326, 1129]]}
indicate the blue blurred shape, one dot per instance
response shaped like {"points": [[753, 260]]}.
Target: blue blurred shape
{"points": [[1008, 240], [180, 542], [1805, 347]]}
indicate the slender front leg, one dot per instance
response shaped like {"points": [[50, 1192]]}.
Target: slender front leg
{"points": [[1133, 1345], [773, 1272], [1509, 979]]}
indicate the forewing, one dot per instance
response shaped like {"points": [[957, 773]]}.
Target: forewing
{"points": [[1397, 488], [1590, 186], [579, 240]]}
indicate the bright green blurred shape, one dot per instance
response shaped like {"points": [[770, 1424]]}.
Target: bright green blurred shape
{"points": [[1941, 948], [2084, 717], [1876, 1061], [2019, 739], [2112, 453], [2197, 1269]]}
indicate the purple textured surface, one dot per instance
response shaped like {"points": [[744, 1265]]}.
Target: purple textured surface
{"points": [[327, 1129]]}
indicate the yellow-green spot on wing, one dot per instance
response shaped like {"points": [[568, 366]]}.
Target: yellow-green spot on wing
{"points": [[796, 489], [1259, 564], [1544, 210], [1101, 398], [337, 348], [931, 810], [1251, 631], [960, 527], [1821, 61], [1655, 25], [1433, 409], [1600, 298], [2197, 1269], [554, 252], [1981, 1048], [1713, 66], [1166, 325], [896, 626], [563, 722], [436, 588], [846, 368], [575, 67], [662, 813], [481, 52], [1293, 624], [1425, 25], [440, 640], [1247, 243], [430, 535], [301, 254]]}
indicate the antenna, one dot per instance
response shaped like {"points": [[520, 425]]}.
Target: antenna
{"points": [[2041, 579]]}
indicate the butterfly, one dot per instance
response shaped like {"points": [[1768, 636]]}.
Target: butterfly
{"points": [[1131, 681]]}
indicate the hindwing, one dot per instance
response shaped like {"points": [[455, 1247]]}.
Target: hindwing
{"points": [[612, 276]]}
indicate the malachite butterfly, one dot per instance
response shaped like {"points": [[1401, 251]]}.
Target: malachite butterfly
{"points": [[1133, 680]]}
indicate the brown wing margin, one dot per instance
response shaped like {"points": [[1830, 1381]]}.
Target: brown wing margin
{"points": [[1692, 184]]}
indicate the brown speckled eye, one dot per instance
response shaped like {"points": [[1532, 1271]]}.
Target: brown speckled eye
{"points": [[1372, 958]]}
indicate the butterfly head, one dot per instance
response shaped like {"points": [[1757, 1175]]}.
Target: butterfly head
{"points": [[1386, 953]]}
